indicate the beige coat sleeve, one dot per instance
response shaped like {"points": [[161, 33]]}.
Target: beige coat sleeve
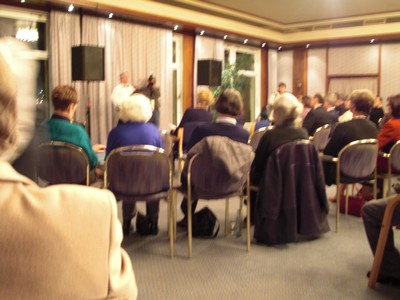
{"points": [[122, 282]]}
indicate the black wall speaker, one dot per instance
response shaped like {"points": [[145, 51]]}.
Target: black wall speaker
{"points": [[209, 72], [88, 63]]}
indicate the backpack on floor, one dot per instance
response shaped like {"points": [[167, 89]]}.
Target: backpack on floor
{"points": [[205, 224]]}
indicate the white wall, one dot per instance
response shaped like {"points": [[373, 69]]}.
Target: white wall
{"points": [[285, 69], [390, 70], [316, 73]]}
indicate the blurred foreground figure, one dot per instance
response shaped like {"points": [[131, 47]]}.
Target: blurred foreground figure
{"points": [[60, 242]]}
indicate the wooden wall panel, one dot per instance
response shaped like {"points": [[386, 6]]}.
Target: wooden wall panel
{"points": [[300, 72], [188, 69], [264, 78]]}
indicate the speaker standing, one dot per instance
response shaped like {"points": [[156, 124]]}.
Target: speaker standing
{"points": [[121, 91]]}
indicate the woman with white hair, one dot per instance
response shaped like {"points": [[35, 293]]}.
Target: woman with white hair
{"points": [[133, 129], [286, 114]]}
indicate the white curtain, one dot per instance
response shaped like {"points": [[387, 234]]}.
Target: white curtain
{"points": [[347, 85], [139, 50], [64, 33], [206, 48]]}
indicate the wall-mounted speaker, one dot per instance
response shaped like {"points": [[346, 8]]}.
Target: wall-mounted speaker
{"points": [[88, 63], [209, 72]]}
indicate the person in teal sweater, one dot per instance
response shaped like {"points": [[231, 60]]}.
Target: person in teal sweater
{"points": [[61, 128]]}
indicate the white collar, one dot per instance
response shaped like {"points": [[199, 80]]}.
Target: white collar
{"points": [[228, 120]]}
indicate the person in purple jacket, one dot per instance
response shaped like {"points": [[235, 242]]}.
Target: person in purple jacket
{"points": [[133, 129]]}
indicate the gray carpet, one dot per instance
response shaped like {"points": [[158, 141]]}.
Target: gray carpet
{"points": [[331, 267]]}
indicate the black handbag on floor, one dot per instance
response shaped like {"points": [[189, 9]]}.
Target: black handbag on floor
{"points": [[205, 224]]}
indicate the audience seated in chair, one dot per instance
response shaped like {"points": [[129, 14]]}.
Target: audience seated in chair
{"points": [[61, 128], [356, 129], [59, 242], [318, 116], [390, 132], [132, 129], [286, 114], [228, 106], [372, 215]]}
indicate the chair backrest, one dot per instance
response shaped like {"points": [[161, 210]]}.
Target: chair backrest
{"points": [[394, 156], [254, 139], [141, 170], [188, 129], [218, 166], [60, 162], [321, 137], [358, 158], [167, 142]]}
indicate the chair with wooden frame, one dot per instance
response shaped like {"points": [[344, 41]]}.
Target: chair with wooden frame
{"points": [[255, 138], [383, 235], [140, 173], [207, 180], [356, 163], [61, 162], [393, 163]]}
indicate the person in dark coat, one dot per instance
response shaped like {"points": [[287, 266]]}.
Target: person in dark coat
{"points": [[286, 114], [318, 116], [358, 128], [228, 106]]}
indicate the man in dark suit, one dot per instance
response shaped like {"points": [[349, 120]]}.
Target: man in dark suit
{"points": [[318, 116], [228, 106]]}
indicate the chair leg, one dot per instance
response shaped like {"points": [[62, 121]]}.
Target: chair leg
{"points": [[337, 206], [248, 222], [170, 223], [227, 227], [386, 187], [189, 225], [380, 248], [174, 211], [347, 198]]}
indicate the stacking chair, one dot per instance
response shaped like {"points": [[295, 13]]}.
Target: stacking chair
{"points": [[209, 165], [139, 173], [383, 235], [255, 138], [393, 158], [321, 137], [167, 142], [60, 162], [356, 163]]}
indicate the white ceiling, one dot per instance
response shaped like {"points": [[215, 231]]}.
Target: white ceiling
{"points": [[297, 11]]}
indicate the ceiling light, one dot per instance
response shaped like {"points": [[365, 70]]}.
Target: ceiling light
{"points": [[372, 40], [279, 48], [308, 45], [22, 1], [245, 41], [202, 32], [70, 7], [176, 27], [263, 45], [225, 36], [110, 15]]}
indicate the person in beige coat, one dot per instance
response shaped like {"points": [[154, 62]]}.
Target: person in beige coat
{"points": [[59, 242]]}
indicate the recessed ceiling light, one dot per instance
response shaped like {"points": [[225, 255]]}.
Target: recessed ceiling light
{"points": [[110, 15], [176, 27], [202, 32], [279, 48], [225, 36], [263, 45], [372, 40], [70, 7], [245, 41], [22, 1], [308, 45]]}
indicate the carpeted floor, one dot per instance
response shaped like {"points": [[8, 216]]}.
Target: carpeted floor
{"points": [[331, 267]]}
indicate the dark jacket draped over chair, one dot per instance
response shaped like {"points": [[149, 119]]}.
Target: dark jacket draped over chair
{"points": [[292, 200]]}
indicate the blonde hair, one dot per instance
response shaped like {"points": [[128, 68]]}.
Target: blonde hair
{"points": [[204, 98], [8, 108], [135, 108]]}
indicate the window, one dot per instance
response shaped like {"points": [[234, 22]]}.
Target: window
{"points": [[242, 69]]}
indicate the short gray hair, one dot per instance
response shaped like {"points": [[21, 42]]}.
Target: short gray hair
{"points": [[135, 108], [287, 110]]}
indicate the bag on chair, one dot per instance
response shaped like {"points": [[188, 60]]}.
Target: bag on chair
{"points": [[205, 224]]}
